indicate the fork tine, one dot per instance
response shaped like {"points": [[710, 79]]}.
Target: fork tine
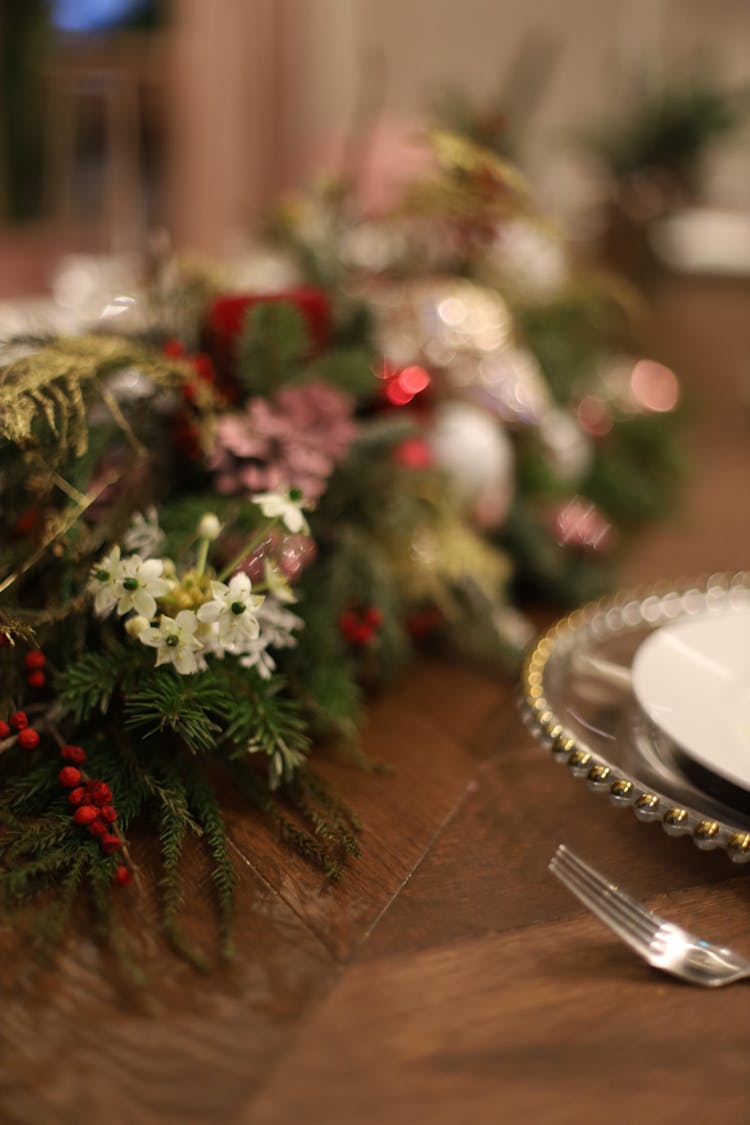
{"points": [[621, 913], [568, 859]]}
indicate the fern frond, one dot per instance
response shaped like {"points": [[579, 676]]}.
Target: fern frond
{"points": [[48, 388]]}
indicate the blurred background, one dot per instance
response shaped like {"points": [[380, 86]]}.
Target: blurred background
{"points": [[121, 118]]}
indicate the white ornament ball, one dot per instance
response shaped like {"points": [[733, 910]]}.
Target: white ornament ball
{"points": [[568, 448], [476, 453]]}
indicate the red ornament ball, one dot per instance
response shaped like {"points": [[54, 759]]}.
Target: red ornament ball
{"points": [[28, 739], [122, 876], [35, 660], [19, 720], [36, 679], [69, 776]]}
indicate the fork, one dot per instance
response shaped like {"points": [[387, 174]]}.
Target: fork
{"points": [[662, 944]]}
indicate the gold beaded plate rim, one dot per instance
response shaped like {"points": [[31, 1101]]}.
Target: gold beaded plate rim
{"points": [[608, 618]]}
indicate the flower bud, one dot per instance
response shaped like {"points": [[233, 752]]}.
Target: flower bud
{"points": [[134, 626], [209, 527]]}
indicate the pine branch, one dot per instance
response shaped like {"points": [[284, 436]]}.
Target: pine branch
{"points": [[206, 811], [52, 921], [187, 705], [88, 684], [274, 341], [174, 822], [269, 723]]}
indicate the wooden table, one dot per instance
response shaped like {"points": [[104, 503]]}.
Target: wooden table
{"points": [[448, 978]]}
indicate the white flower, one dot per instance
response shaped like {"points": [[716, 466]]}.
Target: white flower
{"points": [[209, 527], [141, 584], [233, 609], [106, 582], [276, 631], [286, 506], [175, 641], [144, 534]]}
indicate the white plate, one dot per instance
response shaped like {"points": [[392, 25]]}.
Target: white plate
{"points": [[692, 679]]}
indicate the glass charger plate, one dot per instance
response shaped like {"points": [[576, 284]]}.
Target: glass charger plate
{"points": [[578, 701]]}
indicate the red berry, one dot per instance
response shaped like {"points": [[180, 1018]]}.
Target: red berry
{"points": [[4, 729], [36, 679], [109, 844], [108, 814], [85, 814], [100, 792], [173, 348], [69, 776], [372, 615], [28, 739], [4, 640], [122, 876], [97, 827], [35, 659], [77, 796], [19, 720], [74, 754]]}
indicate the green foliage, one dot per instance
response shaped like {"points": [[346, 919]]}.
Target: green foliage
{"points": [[670, 127], [274, 341], [264, 721], [193, 707], [87, 685], [635, 473], [546, 572], [348, 369], [567, 335]]}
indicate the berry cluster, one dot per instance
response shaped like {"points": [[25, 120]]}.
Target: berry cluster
{"points": [[35, 662], [360, 625], [26, 737], [92, 805]]}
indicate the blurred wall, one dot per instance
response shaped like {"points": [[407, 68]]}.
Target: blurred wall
{"points": [[266, 89]]}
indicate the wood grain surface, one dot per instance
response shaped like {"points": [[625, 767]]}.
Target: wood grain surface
{"points": [[447, 979]]}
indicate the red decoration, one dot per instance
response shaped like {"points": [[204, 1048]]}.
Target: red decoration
{"points": [[359, 626], [122, 876], [69, 777], [100, 792], [28, 738], [226, 318], [74, 754], [4, 729], [19, 720], [85, 815], [413, 453], [110, 844]]}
